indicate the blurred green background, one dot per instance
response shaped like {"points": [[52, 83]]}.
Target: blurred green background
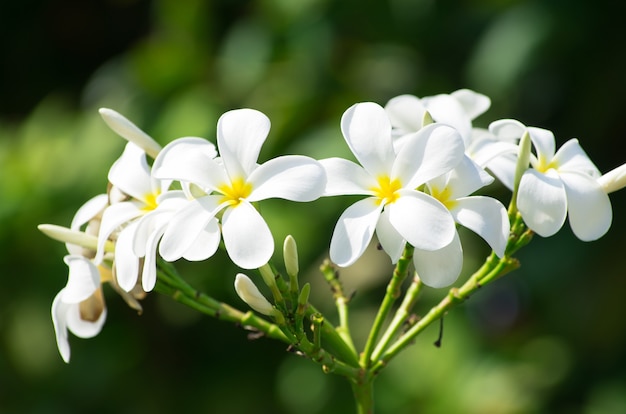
{"points": [[549, 338]]}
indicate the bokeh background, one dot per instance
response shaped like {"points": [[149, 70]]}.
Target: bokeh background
{"points": [[549, 338]]}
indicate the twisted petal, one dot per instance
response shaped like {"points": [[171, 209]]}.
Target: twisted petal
{"points": [[542, 201], [421, 220], [247, 237], [113, 217], [508, 130], [59, 321], [131, 173], [473, 103], [345, 177], [148, 273], [89, 210], [389, 238], [572, 158], [190, 160], [354, 231], [431, 152], [90, 325], [406, 113], [486, 217], [544, 142], [367, 130], [503, 168], [292, 177], [126, 262], [206, 243], [83, 279], [440, 268], [588, 206], [240, 136], [186, 225], [466, 178]]}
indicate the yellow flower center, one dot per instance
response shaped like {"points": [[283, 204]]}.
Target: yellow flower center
{"points": [[443, 195], [150, 201], [543, 165], [237, 190], [387, 190]]}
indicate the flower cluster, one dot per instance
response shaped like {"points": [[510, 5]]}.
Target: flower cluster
{"points": [[419, 163]]}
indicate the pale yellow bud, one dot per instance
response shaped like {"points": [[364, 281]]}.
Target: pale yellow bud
{"points": [[290, 255], [129, 131], [249, 293], [614, 180]]}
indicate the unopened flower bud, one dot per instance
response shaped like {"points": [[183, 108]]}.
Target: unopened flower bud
{"points": [[613, 180], [290, 255], [129, 131], [249, 293], [523, 159]]}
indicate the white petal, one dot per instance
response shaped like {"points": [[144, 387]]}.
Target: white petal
{"points": [[89, 210], [367, 130], [206, 243], [445, 109], [389, 238], [345, 178], [354, 231], [486, 217], [189, 160], [131, 173], [508, 130], [247, 237], [83, 328], [544, 142], [148, 273], [186, 225], [292, 177], [240, 136], [59, 316], [486, 149], [249, 293], [440, 268], [421, 220], [431, 152], [130, 131], [466, 178], [406, 113], [503, 168], [126, 263], [83, 279], [473, 103], [588, 206], [572, 158], [113, 217], [542, 202]]}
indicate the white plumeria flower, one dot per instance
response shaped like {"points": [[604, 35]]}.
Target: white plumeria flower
{"points": [[390, 179], [485, 216], [562, 183], [231, 183], [79, 307], [458, 109]]}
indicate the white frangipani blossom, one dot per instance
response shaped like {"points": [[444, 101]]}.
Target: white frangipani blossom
{"points": [[390, 179], [458, 109], [485, 216], [79, 307], [559, 184], [231, 184]]}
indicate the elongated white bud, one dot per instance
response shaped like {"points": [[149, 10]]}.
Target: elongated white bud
{"points": [[290, 255], [129, 131], [79, 238], [614, 180], [249, 293]]}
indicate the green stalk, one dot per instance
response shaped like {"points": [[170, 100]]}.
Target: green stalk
{"points": [[391, 294], [341, 302], [400, 317]]}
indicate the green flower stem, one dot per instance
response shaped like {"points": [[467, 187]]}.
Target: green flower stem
{"points": [[363, 391], [169, 283], [341, 302], [345, 351], [391, 294], [400, 317], [270, 277], [489, 271]]}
